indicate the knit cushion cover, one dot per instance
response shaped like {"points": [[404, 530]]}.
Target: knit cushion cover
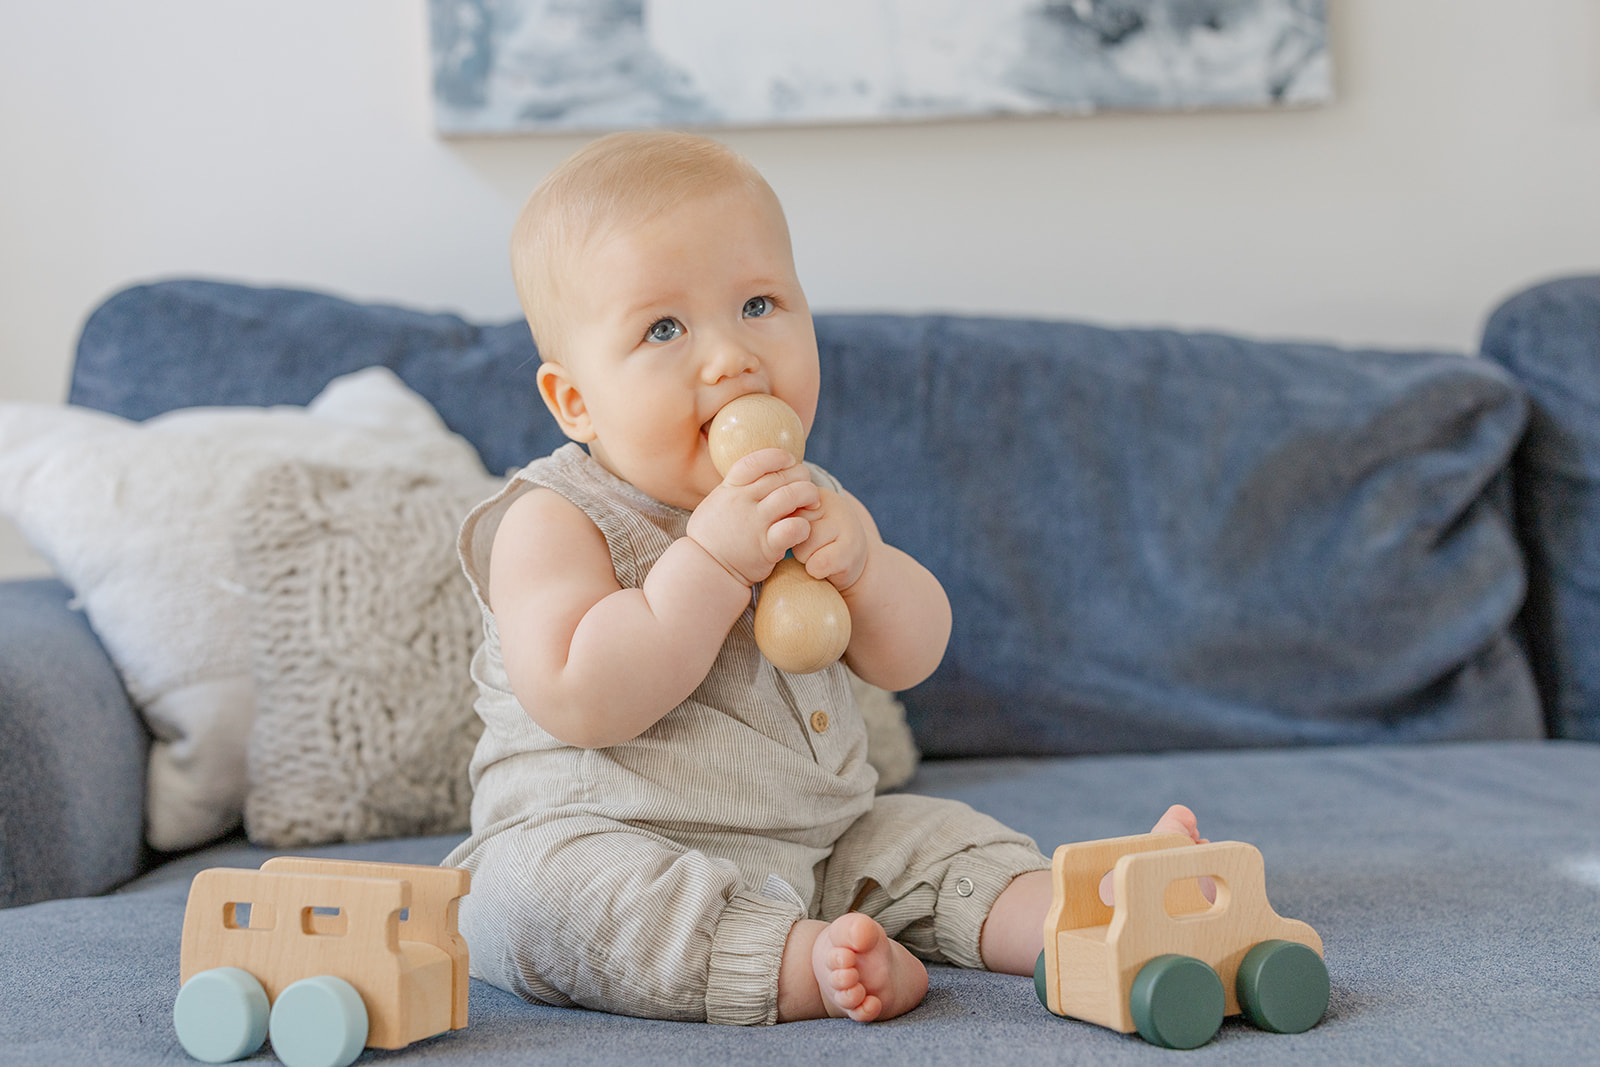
{"points": [[362, 632]]}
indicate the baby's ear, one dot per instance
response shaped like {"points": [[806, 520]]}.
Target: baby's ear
{"points": [[561, 396]]}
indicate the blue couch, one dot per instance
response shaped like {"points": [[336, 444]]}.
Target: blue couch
{"points": [[1345, 604]]}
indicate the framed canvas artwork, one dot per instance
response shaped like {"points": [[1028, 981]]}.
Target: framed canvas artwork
{"points": [[502, 66]]}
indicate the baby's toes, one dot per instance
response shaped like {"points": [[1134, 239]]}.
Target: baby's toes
{"points": [[845, 978], [858, 933], [839, 958], [850, 997], [870, 1008], [1178, 820]]}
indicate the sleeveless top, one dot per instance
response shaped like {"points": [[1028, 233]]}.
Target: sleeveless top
{"points": [[738, 770]]}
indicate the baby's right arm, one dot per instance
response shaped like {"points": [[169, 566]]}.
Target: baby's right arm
{"points": [[595, 664]]}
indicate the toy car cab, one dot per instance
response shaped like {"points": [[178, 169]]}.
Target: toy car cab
{"points": [[1164, 960]]}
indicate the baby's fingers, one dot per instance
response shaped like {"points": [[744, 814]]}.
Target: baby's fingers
{"points": [[760, 463], [789, 498], [821, 560], [786, 533]]}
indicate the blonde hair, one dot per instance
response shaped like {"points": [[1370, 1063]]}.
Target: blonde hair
{"points": [[620, 179]]}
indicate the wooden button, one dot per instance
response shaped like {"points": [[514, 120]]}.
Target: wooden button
{"points": [[819, 721]]}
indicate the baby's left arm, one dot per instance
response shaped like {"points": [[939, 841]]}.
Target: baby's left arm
{"points": [[899, 615]]}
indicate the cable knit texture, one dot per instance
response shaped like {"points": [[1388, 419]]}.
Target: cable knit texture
{"points": [[362, 630]]}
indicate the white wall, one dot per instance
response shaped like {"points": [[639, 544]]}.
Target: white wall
{"points": [[291, 143]]}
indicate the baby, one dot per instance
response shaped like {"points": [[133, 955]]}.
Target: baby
{"points": [[664, 824]]}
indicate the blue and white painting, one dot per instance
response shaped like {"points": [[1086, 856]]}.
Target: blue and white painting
{"points": [[513, 65]]}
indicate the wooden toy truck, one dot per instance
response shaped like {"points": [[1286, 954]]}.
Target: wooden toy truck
{"points": [[1165, 961], [331, 956]]}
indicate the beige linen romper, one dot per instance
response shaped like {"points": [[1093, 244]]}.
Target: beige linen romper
{"points": [[660, 877]]}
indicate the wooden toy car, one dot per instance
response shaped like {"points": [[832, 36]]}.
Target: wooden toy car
{"points": [[327, 956], [1165, 960]]}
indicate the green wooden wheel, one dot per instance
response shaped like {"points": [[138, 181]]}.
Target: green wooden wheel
{"points": [[1177, 1002], [1283, 987], [1041, 987]]}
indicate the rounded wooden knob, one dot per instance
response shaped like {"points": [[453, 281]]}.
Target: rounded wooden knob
{"points": [[802, 623], [751, 423]]}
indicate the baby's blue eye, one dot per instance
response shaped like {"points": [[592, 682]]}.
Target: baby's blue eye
{"points": [[663, 330], [758, 307]]}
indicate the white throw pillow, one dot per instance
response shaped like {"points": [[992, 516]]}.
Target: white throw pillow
{"points": [[137, 518]]}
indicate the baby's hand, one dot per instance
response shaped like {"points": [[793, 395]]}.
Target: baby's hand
{"points": [[837, 546], [762, 509]]}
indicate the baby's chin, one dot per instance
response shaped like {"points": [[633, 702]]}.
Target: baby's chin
{"points": [[688, 493], [695, 494]]}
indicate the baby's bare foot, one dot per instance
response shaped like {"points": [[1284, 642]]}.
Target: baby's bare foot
{"points": [[865, 974], [1177, 820]]}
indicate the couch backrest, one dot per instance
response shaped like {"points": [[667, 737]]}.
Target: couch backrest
{"points": [[1151, 539], [177, 344]]}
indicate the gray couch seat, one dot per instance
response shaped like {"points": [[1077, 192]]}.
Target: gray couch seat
{"points": [[1456, 888]]}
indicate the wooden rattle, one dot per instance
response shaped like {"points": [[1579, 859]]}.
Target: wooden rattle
{"points": [[802, 623]]}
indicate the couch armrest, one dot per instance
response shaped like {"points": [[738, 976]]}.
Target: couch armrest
{"points": [[1549, 338], [72, 754]]}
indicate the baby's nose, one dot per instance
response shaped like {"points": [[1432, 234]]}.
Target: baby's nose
{"points": [[729, 359]]}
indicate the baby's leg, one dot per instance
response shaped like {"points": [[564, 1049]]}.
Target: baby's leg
{"points": [[586, 911], [929, 871], [1013, 935], [847, 968]]}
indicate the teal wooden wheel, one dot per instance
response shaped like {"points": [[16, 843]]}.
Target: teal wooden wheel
{"points": [[319, 1022], [221, 1015], [1177, 1002], [1283, 987]]}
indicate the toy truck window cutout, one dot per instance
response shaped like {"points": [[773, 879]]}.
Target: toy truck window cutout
{"points": [[327, 956], [1165, 961]]}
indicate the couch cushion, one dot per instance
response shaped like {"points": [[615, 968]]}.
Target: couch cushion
{"points": [[362, 629], [1549, 337], [1163, 540], [1150, 539]]}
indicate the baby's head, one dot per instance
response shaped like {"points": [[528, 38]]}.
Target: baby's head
{"points": [[657, 276], [618, 181]]}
